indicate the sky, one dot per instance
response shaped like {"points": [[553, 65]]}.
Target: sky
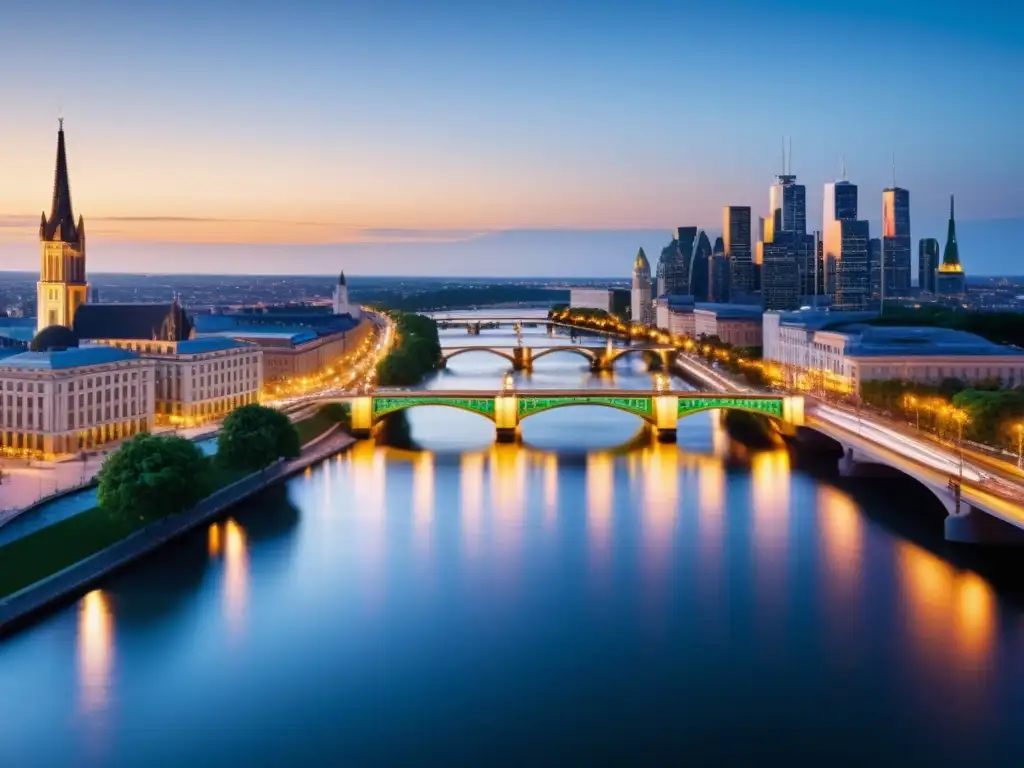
{"points": [[400, 137]]}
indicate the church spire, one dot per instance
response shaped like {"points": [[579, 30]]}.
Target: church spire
{"points": [[61, 223], [951, 255]]}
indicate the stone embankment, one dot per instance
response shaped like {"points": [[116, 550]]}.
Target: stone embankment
{"points": [[79, 578]]}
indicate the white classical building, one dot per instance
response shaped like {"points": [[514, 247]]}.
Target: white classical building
{"points": [[838, 351], [61, 400]]}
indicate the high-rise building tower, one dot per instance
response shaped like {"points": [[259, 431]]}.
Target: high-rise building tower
{"points": [[718, 279], [780, 275], [340, 303], [896, 240], [736, 232], [700, 268], [875, 271], [950, 279], [642, 308], [845, 246], [786, 252], [927, 264], [673, 277], [787, 204], [62, 287]]}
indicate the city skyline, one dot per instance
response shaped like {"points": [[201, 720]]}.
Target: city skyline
{"points": [[214, 149]]}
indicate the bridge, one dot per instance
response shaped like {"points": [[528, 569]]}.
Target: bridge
{"points": [[600, 358], [508, 408]]}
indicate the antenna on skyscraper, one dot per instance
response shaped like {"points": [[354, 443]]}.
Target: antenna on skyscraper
{"points": [[894, 170], [783, 155], [842, 166], [789, 164]]}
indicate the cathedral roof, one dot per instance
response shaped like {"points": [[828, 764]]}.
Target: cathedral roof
{"points": [[60, 226], [144, 322]]}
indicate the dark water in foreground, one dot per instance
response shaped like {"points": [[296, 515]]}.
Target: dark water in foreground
{"points": [[588, 595]]}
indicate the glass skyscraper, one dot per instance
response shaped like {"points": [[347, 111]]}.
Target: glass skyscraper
{"points": [[896, 241], [845, 246], [736, 234], [787, 205], [927, 264]]}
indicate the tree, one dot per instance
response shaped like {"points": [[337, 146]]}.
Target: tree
{"points": [[254, 436], [150, 477]]}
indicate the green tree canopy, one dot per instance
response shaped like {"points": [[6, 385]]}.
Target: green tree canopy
{"points": [[254, 436], [151, 476]]}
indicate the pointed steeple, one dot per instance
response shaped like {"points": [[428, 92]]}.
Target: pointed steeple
{"points": [[61, 223], [951, 255], [341, 278]]}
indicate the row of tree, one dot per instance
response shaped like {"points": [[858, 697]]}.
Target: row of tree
{"points": [[992, 412], [416, 352], [152, 476], [998, 327]]}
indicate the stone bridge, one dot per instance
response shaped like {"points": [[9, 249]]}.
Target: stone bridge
{"points": [[600, 358], [662, 410]]}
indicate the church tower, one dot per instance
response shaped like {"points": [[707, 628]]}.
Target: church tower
{"points": [[341, 296], [62, 286]]}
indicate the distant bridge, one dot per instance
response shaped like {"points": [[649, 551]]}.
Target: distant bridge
{"points": [[661, 409], [600, 358]]}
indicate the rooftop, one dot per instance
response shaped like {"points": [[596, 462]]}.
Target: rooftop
{"points": [[208, 344], [896, 341], [98, 354], [734, 311], [819, 319]]}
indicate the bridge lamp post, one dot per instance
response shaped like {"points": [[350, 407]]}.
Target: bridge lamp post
{"points": [[913, 402], [960, 417]]}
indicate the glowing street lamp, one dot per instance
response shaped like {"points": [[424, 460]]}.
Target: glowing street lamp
{"points": [[1019, 430], [912, 402], [960, 417]]}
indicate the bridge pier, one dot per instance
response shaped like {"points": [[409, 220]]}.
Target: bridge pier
{"points": [[972, 526], [522, 359], [361, 417]]}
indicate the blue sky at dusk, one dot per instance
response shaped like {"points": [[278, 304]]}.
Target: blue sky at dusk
{"points": [[416, 138]]}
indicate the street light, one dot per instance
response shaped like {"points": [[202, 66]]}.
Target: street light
{"points": [[913, 402], [1019, 429], [960, 417]]}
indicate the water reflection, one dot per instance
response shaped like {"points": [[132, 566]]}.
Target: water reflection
{"points": [[600, 500], [423, 494], [95, 650], [659, 468], [236, 575], [471, 496], [550, 488]]}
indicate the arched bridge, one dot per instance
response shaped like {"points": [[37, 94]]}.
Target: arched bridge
{"points": [[660, 409], [600, 358]]}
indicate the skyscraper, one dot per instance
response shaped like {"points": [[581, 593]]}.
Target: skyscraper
{"points": [[700, 268], [927, 263], [896, 240], [787, 204], [62, 287], [950, 279], [673, 276], [845, 246], [718, 287], [780, 278], [736, 233], [875, 270], [642, 309]]}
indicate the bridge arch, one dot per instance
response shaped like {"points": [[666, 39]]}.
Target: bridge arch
{"points": [[466, 350], [618, 354], [589, 353], [384, 406], [637, 406], [771, 407]]}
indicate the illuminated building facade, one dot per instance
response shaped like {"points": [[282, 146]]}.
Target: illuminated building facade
{"points": [[675, 262], [675, 315], [837, 351], [197, 380], [735, 324], [62, 287], [60, 398]]}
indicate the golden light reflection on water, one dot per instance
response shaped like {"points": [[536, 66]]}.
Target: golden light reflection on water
{"points": [[423, 490], [508, 482], [660, 473], [770, 483], [369, 478], [95, 650], [600, 500], [236, 574], [842, 541], [213, 543], [950, 614], [719, 436], [550, 488], [471, 496]]}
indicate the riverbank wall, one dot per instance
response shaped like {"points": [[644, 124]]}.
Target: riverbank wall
{"points": [[22, 607]]}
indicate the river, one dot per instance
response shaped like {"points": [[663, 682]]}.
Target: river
{"points": [[589, 595]]}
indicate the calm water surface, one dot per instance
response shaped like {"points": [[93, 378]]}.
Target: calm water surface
{"points": [[589, 594]]}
